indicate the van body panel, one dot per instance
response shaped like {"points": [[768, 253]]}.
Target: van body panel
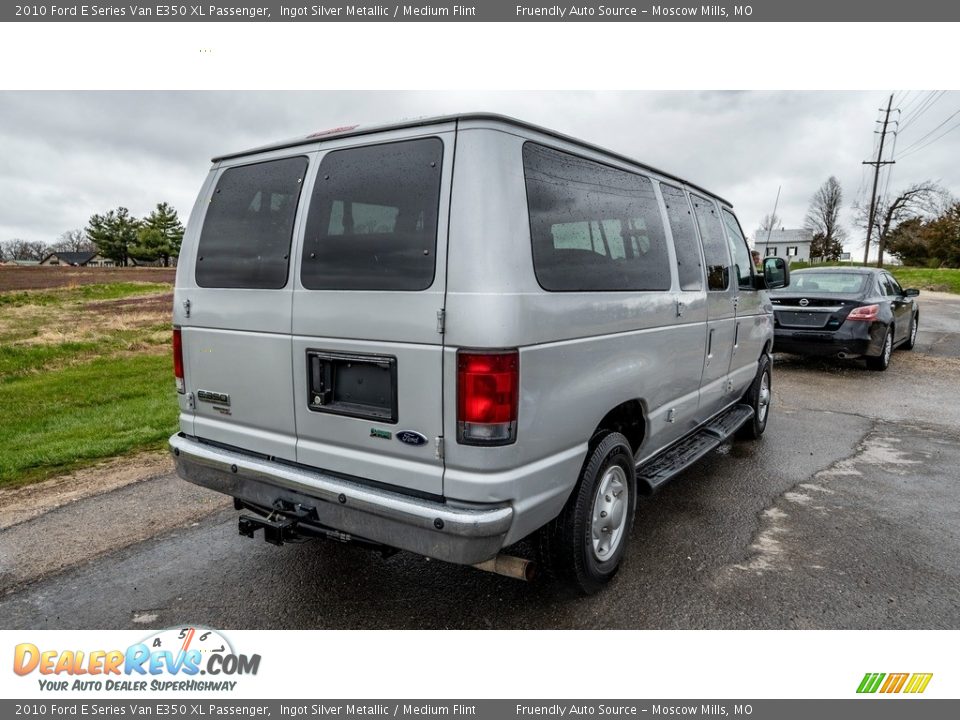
{"points": [[401, 326], [349, 445], [754, 314], [236, 341]]}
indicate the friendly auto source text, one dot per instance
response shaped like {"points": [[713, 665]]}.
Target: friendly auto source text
{"points": [[579, 11]]}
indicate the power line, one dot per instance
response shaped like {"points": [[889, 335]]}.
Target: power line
{"points": [[921, 110], [920, 140], [906, 108], [931, 142]]}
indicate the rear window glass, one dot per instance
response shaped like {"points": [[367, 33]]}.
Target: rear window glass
{"points": [[373, 218], [593, 227], [832, 282], [245, 240], [714, 243], [689, 260]]}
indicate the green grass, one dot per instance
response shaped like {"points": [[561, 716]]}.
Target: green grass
{"points": [[81, 293], [64, 419], [938, 279], [80, 383], [941, 279], [21, 359]]}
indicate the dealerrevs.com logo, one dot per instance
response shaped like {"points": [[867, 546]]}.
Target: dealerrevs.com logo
{"points": [[170, 660], [890, 683]]}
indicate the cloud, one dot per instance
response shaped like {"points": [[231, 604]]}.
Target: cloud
{"points": [[68, 155]]}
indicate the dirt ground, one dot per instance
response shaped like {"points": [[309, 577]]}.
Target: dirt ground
{"points": [[19, 504], [13, 277]]}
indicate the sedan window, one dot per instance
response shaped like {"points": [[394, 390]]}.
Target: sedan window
{"points": [[841, 283]]}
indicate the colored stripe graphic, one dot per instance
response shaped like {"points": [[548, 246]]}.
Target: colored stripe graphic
{"points": [[870, 682], [894, 683], [918, 682]]}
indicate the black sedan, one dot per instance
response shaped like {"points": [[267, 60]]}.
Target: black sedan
{"points": [[846, 312]]}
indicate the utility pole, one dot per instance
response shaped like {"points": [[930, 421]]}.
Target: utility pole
{"points": [[877, 164]]}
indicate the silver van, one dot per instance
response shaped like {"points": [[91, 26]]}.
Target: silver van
{"points": [[447, 335]]}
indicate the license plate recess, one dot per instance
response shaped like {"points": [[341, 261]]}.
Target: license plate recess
{"points": [[354, 385]]}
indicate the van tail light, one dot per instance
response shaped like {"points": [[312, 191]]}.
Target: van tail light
{"points": [[867, 313], [488, 396], [178, 361]]}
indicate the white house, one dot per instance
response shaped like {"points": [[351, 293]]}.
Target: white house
{"points": [[793, 244]]}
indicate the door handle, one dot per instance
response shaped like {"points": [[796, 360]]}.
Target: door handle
{"points": [[710, 344]]}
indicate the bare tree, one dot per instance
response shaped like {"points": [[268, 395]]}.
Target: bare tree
{"points": [[73, 241], [770, 221], [18, 249], [823, 220], [921, 200]]}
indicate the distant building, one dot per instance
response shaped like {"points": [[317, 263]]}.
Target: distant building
{"points": [[794, 245], [89, 258]]}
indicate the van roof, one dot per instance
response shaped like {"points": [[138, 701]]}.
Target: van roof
{"points": [[354, 130]]}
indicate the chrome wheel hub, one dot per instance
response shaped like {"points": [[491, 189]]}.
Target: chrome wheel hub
{"points": [[609, 512], [913, 333], [763, 399], [887, 348]]}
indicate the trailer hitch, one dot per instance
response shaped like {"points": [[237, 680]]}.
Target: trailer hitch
{"points": [[275, 532]]}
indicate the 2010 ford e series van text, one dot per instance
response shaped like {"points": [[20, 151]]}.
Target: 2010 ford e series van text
{"points": [[447, 335]]}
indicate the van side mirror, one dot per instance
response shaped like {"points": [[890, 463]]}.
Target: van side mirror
{"points": [[776, 273], [911, 292]]}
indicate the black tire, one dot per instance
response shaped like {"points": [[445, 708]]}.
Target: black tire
{"points": [[758, 397], [911, 340], [565, 546], [882, 361]]}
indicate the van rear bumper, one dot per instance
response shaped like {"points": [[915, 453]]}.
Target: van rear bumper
{"points": [[457, 534]]}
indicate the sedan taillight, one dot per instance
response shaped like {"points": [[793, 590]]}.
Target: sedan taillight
{"points": [[867, 313]]}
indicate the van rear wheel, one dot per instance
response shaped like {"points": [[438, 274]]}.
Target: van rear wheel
{"points": [[582, 548]]}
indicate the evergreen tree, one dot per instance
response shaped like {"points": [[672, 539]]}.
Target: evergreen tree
{"points": [[160, 235], [114, 233]]}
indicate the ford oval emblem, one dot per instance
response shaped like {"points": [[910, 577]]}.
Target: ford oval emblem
{"points": [[409, 437], [804, 302]]}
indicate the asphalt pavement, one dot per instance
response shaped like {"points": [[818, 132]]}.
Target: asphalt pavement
{"points": [[844, 515]]}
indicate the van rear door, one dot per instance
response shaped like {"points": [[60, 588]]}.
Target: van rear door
{"points": [[367, 303], [233, 305]]}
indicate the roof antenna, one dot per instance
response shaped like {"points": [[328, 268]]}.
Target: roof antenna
{"points": [[772, 218]]}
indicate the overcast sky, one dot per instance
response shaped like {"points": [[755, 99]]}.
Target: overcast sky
{"points": [[66, 155]]}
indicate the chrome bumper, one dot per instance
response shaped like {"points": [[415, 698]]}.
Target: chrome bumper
{"points": [[464, 535]]}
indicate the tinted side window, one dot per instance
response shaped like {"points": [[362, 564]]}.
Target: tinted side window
{"points": [[714, 243], [894, 285], [245, 240], [593, 227], [373, 218], [742, 261], [689, 259]]}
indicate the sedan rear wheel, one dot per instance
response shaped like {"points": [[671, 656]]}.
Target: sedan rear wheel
{"points": [[882, 361]]}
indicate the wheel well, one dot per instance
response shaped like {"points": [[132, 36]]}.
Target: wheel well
{"points": [[626, 419]]}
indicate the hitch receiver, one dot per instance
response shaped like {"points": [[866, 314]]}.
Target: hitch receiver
{"points": [[275, 532]]}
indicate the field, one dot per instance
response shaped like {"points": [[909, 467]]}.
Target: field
{"points": [[85, 368], [942, 280]]}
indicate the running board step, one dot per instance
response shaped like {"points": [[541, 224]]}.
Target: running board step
{"points": [[652, 474]]}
